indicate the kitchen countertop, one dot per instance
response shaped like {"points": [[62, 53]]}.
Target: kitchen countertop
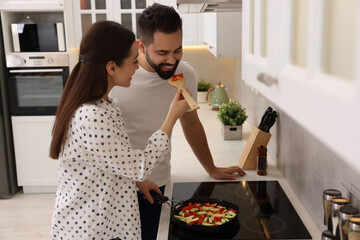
{"points": [[186, 168]]}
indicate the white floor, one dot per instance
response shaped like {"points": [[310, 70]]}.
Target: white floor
{"points": [[26, 216]]}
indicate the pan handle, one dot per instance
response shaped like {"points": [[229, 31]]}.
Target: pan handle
{"points": [[159, 197]]}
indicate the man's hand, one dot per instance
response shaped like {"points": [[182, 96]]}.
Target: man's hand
{"points": [[195, 135], [145, 187], [227, 173]]}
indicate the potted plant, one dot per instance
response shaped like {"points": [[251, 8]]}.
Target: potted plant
{"points": [[232, 115], [202, 88]]}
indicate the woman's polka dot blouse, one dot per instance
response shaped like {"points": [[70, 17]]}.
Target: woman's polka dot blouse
{"points": [[96, 196]]}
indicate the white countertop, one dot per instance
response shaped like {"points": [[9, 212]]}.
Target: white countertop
{"points": [[186, 168]]}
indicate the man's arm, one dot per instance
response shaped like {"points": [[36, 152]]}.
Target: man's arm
{"points": [[196, 137]]}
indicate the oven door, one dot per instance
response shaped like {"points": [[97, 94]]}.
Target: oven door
{"points": [[35, 91]]}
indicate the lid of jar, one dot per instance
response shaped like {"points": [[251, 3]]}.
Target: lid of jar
{"points": [[354, 223], [329, 194], [327, 235], [346, 212], [338, 202]]}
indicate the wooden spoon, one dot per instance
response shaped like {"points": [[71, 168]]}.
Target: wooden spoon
{"points": [[178, 81]]}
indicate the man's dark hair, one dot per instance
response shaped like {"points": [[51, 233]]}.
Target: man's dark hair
{"points": [[158, 17]]}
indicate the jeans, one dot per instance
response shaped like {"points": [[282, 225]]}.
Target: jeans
{"points": [[149, 216]]}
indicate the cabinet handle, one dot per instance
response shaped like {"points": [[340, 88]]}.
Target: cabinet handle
{"points": [[36, 70], [205, 43], [211, 47], [266, 79]]}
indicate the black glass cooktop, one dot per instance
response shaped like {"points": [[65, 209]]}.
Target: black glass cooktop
{"points": [[265, 211]]}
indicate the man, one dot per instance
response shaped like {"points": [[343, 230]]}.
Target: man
{"points": [[145, 103]]}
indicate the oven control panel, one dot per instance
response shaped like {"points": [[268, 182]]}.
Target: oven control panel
{"points": [[37, 60]]}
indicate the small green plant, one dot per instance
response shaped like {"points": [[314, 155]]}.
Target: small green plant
{"points": [[203, 86], [232, 113]]}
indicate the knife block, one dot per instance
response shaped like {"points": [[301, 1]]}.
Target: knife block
{"points": [[248, 158]]}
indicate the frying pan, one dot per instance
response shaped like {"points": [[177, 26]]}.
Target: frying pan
{"points": [[176, 208]]}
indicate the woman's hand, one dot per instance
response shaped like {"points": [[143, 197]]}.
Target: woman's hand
{"points": [[145, 187], [179, 106]]}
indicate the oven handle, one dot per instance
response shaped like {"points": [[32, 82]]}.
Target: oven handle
{"points": [[37, 70]]}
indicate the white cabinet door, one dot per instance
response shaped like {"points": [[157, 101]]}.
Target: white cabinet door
{"points": [[229, 34], [209, 25], [36, 171], [220, 32], [190, 29], [42, 5], [304, 56], [126, 13], [87, 12], [261, 46]]}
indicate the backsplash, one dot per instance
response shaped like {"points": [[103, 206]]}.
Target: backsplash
{"points": [[210, 68], [306, 163]]}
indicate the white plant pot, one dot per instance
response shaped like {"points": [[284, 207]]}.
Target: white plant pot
{"points": [[231, 132], [201, 97]]}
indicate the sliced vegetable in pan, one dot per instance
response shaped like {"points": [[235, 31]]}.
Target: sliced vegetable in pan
{"points": [[205, 214]]}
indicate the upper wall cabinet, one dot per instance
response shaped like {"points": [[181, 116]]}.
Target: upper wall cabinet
{"points": [[38, 5], [125, 12], [304, 56], [190, 29], [220, 32]]}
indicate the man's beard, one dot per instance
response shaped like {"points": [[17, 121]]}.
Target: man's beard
{"points": [[163, 74]]}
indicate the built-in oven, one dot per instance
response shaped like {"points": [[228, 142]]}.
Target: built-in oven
{"points": [[36, 82]]}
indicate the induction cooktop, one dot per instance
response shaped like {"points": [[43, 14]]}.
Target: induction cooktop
{"points": [[265, 211]]}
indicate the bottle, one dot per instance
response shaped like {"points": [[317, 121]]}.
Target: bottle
{"points": [[345, 213], [262, 161], [329, 194], [354, 228], [336, 204]]}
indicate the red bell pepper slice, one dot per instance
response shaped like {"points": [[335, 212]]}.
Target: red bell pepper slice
{"points": [[177, 77], [232, 210]]}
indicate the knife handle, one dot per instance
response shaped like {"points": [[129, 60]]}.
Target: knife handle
{"points": [[189, 99]]}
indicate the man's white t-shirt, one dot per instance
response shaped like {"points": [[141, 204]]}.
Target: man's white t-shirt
{"points": [[144, 106]]}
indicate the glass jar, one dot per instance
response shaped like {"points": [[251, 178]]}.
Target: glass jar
{"points": [[345, 213], [329, 194], [336, 204], [354, 228]]}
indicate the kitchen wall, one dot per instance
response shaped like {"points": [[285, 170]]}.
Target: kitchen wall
{"points": [[210, 68], [308, 165]]}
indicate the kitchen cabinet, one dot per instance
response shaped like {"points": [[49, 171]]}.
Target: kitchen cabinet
{"points": [[38, 5], [304, 57], [36, 171], [126, 12], [87, 12], [220, 32], [190, 29]]}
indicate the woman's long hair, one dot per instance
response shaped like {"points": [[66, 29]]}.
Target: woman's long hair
{"points": [[104, 41]]}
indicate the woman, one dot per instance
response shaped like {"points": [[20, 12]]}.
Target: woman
{"points": [[96, 196]]}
